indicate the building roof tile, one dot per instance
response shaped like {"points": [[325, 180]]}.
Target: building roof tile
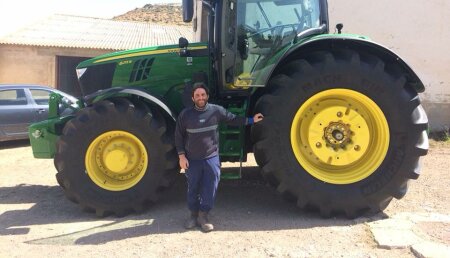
{"points": [[96, 33]]}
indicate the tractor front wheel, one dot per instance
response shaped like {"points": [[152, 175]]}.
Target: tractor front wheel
{"points": [[115, 157]]}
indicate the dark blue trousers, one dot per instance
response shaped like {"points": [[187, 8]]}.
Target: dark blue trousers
{"points": [[203, 177]]}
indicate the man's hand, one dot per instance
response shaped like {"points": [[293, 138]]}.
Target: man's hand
{"points": [[184, 163], [258, 117]]}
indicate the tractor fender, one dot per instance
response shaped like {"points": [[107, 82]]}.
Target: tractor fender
{"points": [[336, 41], [113, 92]]}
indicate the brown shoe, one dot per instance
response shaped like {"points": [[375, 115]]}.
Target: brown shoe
{"points": [[202, 221], [191, 222]]}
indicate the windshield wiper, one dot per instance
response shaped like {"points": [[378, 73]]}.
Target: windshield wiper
{"points": [[264, 14]]}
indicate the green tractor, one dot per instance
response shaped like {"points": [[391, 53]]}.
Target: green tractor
{"points": [[343, 131]]}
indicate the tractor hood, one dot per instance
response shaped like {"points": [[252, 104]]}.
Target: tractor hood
{"points": [[133, 53], [154, 68]]}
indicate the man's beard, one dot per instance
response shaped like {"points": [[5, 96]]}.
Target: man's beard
{"points": [[200, 103]]}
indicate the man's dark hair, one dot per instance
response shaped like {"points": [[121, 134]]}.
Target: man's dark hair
{"points": [[198, 86]]}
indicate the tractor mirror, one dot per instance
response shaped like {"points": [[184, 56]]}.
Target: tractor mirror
{"points": [[188, 10], [339, 27]]}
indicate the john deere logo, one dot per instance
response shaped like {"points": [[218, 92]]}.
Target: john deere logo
{"points": [[125, 62]]}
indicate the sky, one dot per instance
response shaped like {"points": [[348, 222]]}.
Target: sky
{"points": [[19, 13]]}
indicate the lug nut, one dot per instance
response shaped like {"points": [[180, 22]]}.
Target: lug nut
{"points": [[357, 147], [339, 114], [318, 145]]}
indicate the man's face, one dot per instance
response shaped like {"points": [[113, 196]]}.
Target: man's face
{"points": [[200, 97]]}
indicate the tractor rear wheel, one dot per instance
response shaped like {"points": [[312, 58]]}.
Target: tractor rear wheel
{"points": [[115, 157], [342, 133]]}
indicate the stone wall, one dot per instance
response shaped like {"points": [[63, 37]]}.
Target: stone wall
{"points": [[35, 65]]}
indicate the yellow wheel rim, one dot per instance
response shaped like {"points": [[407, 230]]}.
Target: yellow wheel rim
{"points": [[340, 136], [116, 160]]}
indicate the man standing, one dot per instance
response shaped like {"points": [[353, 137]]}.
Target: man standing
{"points": [[196, 140]]}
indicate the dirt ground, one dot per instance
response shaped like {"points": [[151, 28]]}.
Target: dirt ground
{"points": [[251, 219]]}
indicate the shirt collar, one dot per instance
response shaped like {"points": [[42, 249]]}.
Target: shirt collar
{"points": [[201, 109]]}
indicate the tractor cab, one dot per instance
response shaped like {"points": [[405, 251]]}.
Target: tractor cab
{"points": [[247, 37]]}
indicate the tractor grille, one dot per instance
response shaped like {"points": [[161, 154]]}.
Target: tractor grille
{"points": [[141, 70], [96, 78]]}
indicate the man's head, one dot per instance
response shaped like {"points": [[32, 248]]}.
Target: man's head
{"points": [[200, 95]]}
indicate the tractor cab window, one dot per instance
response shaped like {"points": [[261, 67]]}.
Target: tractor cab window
{"points": [[264, 29]]}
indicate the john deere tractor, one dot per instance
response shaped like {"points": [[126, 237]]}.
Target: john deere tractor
{"points": [[343, 131]]}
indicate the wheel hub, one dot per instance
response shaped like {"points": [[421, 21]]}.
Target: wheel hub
{"points": [[337, 134], [116, 160], [329, 135]]}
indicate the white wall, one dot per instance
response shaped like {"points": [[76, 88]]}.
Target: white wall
{"points": [[419, 31]]}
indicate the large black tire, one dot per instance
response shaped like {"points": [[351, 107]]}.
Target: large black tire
{"points": [[130, 129], [314, 182]]}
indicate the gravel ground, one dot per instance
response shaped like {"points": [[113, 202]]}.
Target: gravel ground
{"points": [[251, 219]]}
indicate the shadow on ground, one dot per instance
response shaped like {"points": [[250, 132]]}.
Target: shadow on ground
{"points": [[242, 205], [14, 144]]}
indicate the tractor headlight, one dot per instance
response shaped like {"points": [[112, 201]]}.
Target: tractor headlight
{"points": [[36, 134], [80, 72]]}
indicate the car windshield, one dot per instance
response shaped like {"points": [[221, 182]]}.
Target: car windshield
{"points": [[266, 27]]}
